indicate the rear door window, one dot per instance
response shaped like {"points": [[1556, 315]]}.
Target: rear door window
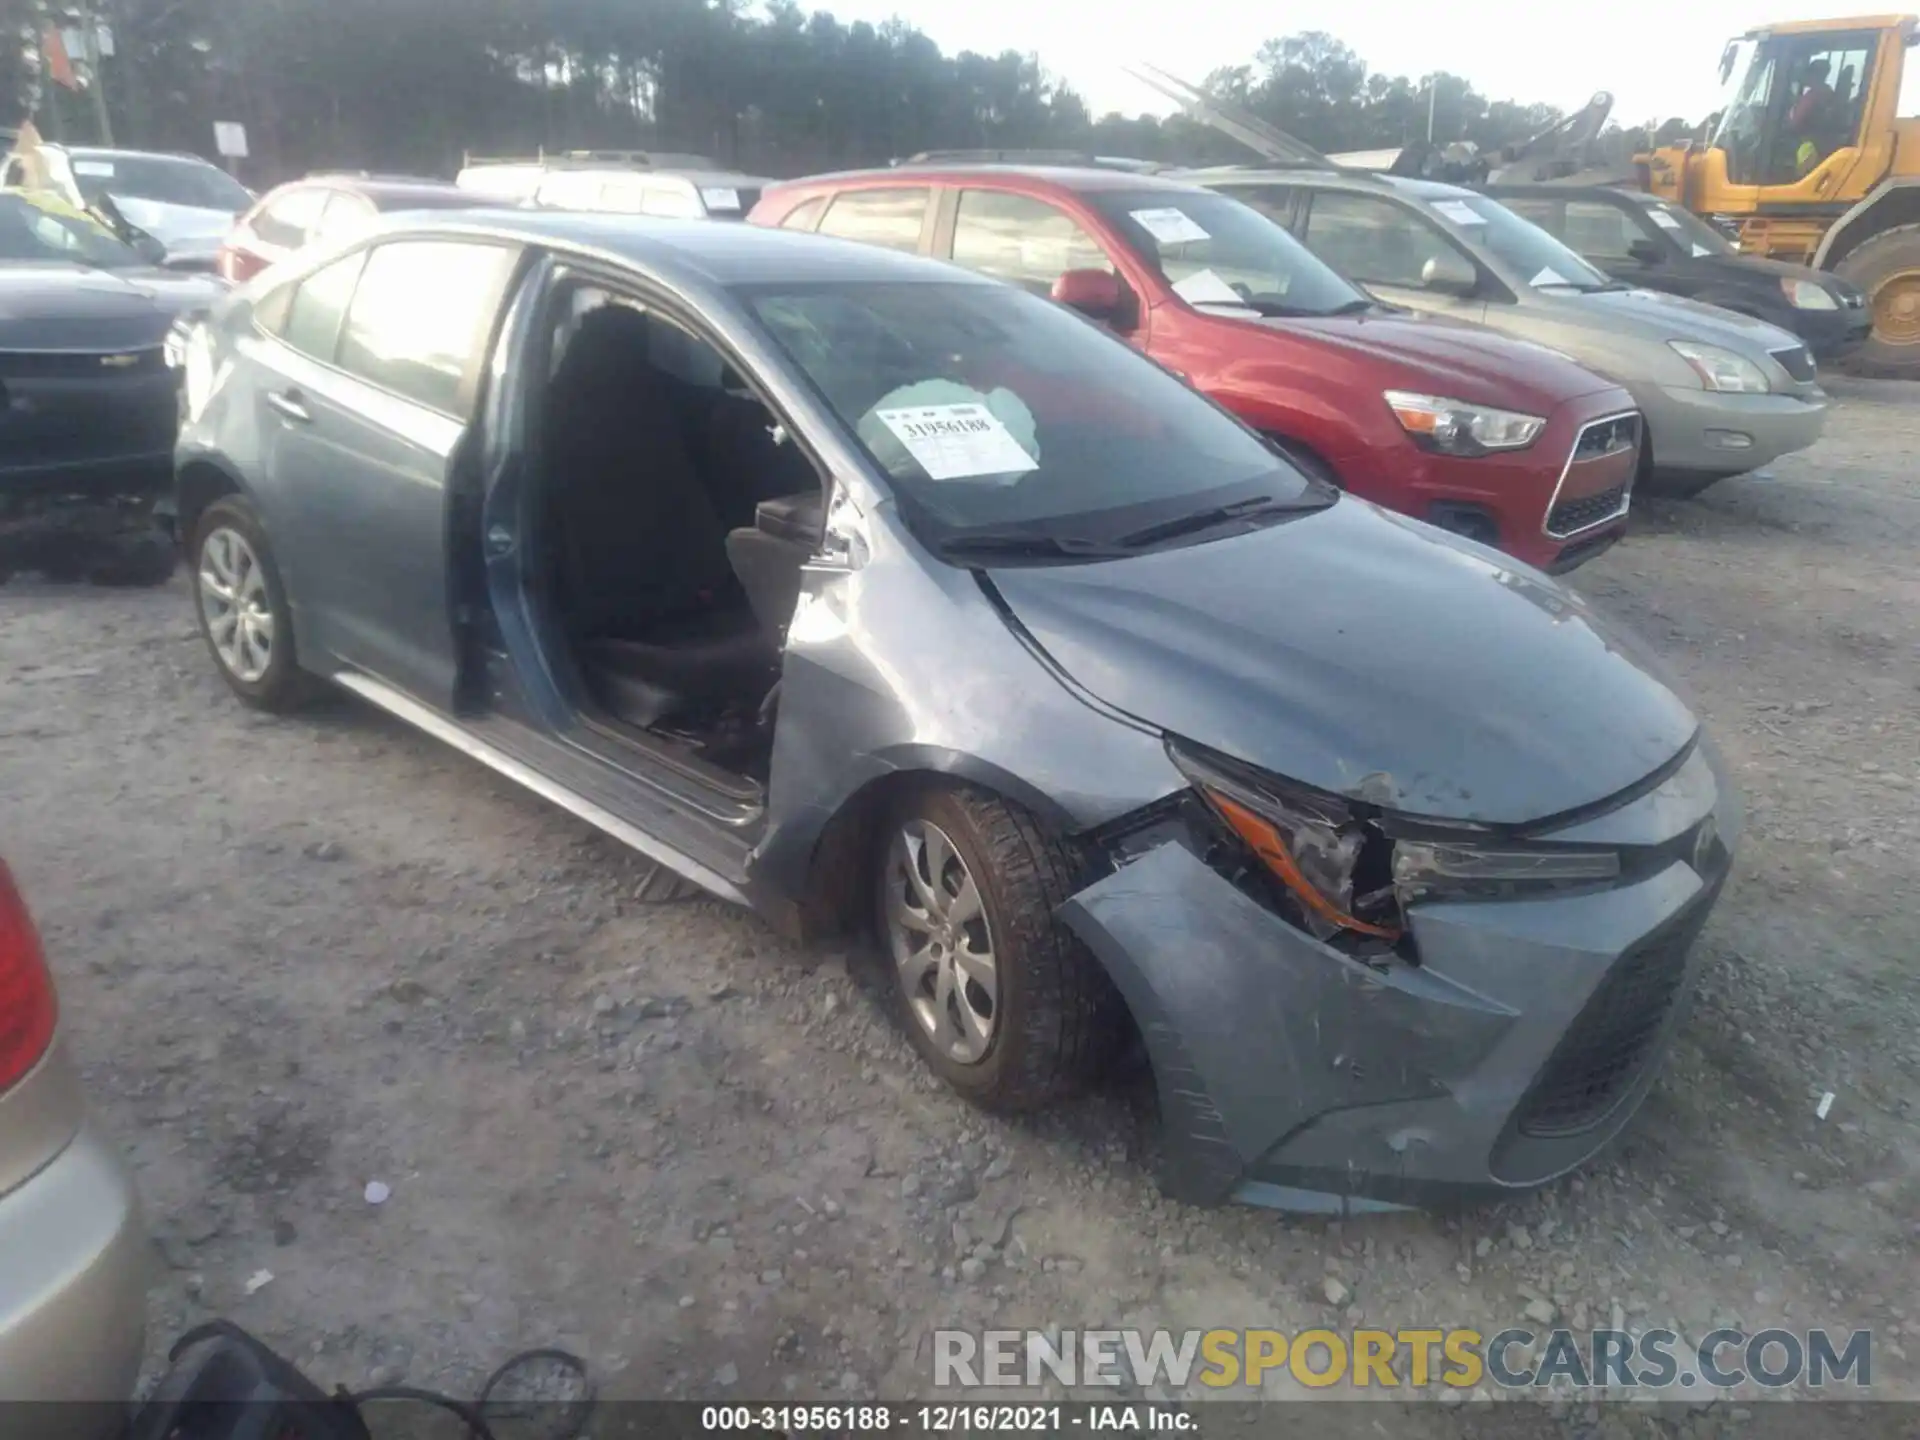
{"points": [[315, 307], [421, 317], [1018, 238], [289, 218], [893, 218]]}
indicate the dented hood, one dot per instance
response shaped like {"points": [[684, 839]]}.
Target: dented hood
{"points": [[1366, 654]]}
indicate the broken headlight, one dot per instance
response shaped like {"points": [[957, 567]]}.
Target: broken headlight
{"points": [[1353, 868]]}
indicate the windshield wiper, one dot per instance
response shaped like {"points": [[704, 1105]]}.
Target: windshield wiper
{"points": [[1024, 544], [1203, 520], [1354, 306]]}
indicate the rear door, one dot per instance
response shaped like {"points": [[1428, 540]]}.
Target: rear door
{"points": [[379, 371]]}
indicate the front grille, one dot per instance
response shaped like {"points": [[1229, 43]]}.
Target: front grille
{"points": [[1608, 1044], [1571, 515], [1797, 361]]}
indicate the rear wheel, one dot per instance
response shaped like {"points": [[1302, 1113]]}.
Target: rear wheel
{"points": [[1003, 1002], [1887, 271], [243, 608]]}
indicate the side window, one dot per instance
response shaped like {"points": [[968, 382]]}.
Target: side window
{"points": [[892, 218], [421, 316], [670, 202], [622, 196], [1273, 201], [16, 176], [806, 216], [566, 190], [1598, 231], [344, 214], [1538, 211], [1376, 241], [289, 218], [1021, 239], [316, 306]]}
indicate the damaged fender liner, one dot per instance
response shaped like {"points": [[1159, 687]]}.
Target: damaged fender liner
{"points": [[1253, 1027]]}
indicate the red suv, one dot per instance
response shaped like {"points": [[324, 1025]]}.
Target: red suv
{"points": [[1506, 442]]}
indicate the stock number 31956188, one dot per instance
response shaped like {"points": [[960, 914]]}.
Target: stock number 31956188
{"points": [[880, 1419]]}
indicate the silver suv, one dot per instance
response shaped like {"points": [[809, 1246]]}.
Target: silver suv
{"points": [[1722, 393], [624, 182]]}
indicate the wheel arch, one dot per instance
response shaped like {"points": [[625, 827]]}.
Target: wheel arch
{"points": [[197, 483], [827, 868], [1892, 202]]}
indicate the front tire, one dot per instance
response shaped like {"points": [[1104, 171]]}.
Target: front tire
{"points": [[1887, 271], [242, 606], [1003, 1002]]}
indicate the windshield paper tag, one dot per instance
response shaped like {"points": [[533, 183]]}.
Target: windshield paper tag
{"points": [[1459, 212], [1203, 287], [1663, 220], [720, 197], [1170, 225], [1549, 276], [1699, 250], [957, 442], [99, 169]]}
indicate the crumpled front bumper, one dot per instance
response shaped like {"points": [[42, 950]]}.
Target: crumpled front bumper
{"points": [[1525, 1039]]}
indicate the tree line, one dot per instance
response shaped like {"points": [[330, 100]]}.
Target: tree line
{"points": [[414, 85]]}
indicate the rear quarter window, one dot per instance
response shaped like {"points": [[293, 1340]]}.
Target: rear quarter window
{"points": [[805, 215]]}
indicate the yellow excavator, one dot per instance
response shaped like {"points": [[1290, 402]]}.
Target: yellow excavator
{"points": [[1814, 158]]}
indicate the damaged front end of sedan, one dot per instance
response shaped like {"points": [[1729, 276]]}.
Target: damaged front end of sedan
{"points": [[1349, 1009]]}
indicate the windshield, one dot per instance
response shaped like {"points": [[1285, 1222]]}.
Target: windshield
{"points": [[34, 228], [993, 410], [1215, 251], [1541, 260], [158, 178], [1693, 234]]}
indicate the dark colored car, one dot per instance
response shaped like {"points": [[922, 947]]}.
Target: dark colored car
{"points": [[1646, 242], [872, 593], [327, 207], [88, 406], [1505, 442]]}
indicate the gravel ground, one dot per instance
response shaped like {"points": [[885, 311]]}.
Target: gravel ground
{"points": [[299, 956]]}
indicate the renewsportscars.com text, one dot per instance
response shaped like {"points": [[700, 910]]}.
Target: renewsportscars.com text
{"points": [[1461, 1359]]}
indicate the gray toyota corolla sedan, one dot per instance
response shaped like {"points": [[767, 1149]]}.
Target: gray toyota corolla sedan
{"points": [[871, 593]]}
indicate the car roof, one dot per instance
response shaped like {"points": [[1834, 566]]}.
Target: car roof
{"points": [[1551, 187], [396, 192], [91, 152], [1331, 180], [1067, 177], [690, 250]]}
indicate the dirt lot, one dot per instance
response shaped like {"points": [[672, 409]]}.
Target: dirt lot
{"points": [[301, 955]]}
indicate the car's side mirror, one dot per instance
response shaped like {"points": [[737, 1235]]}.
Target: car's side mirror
{"points": [[1094, 293], [1448, 276], [1646, 252]]}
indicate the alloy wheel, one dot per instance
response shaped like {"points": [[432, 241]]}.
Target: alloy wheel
{"points": [[233, 598], [941, 941]]}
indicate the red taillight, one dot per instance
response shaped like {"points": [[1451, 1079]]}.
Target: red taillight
{"points": [[27, 1006]]}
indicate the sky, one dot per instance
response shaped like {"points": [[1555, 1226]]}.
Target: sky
{"points": [[1657, 60]]}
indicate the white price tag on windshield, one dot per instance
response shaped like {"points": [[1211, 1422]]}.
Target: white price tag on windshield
{"points": [[1699, 250], [957, 442], [1459, 212], [720, 197], [95, 169], [1203, 287], [1663, 220], [1170, 225], [1549, 276]]}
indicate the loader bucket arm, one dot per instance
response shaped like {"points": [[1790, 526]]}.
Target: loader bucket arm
{"points": [[1560, 149], [1267, 141]]}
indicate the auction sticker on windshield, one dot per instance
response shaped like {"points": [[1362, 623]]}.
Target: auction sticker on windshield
{"points": [[97, 169], [957, 442], [1459, 212], [1663, 220], [1170, 225], [720, 197]]}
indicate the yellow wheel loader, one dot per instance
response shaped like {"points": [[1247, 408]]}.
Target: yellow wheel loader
{"points": [[1814, 158]]}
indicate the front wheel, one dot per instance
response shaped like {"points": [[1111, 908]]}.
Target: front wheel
{"points": [[1003, 1002], [1887, 271], [243, 608]]}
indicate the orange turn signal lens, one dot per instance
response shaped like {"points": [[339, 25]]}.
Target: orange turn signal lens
{"points": [[1266, 841]]}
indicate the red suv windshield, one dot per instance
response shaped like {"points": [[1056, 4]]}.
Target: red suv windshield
{"points": [[1218, 253]]}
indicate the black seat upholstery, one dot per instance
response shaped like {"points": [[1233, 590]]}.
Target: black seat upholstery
{"points": [[746, 463], [644, 581], [767, 557]]}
